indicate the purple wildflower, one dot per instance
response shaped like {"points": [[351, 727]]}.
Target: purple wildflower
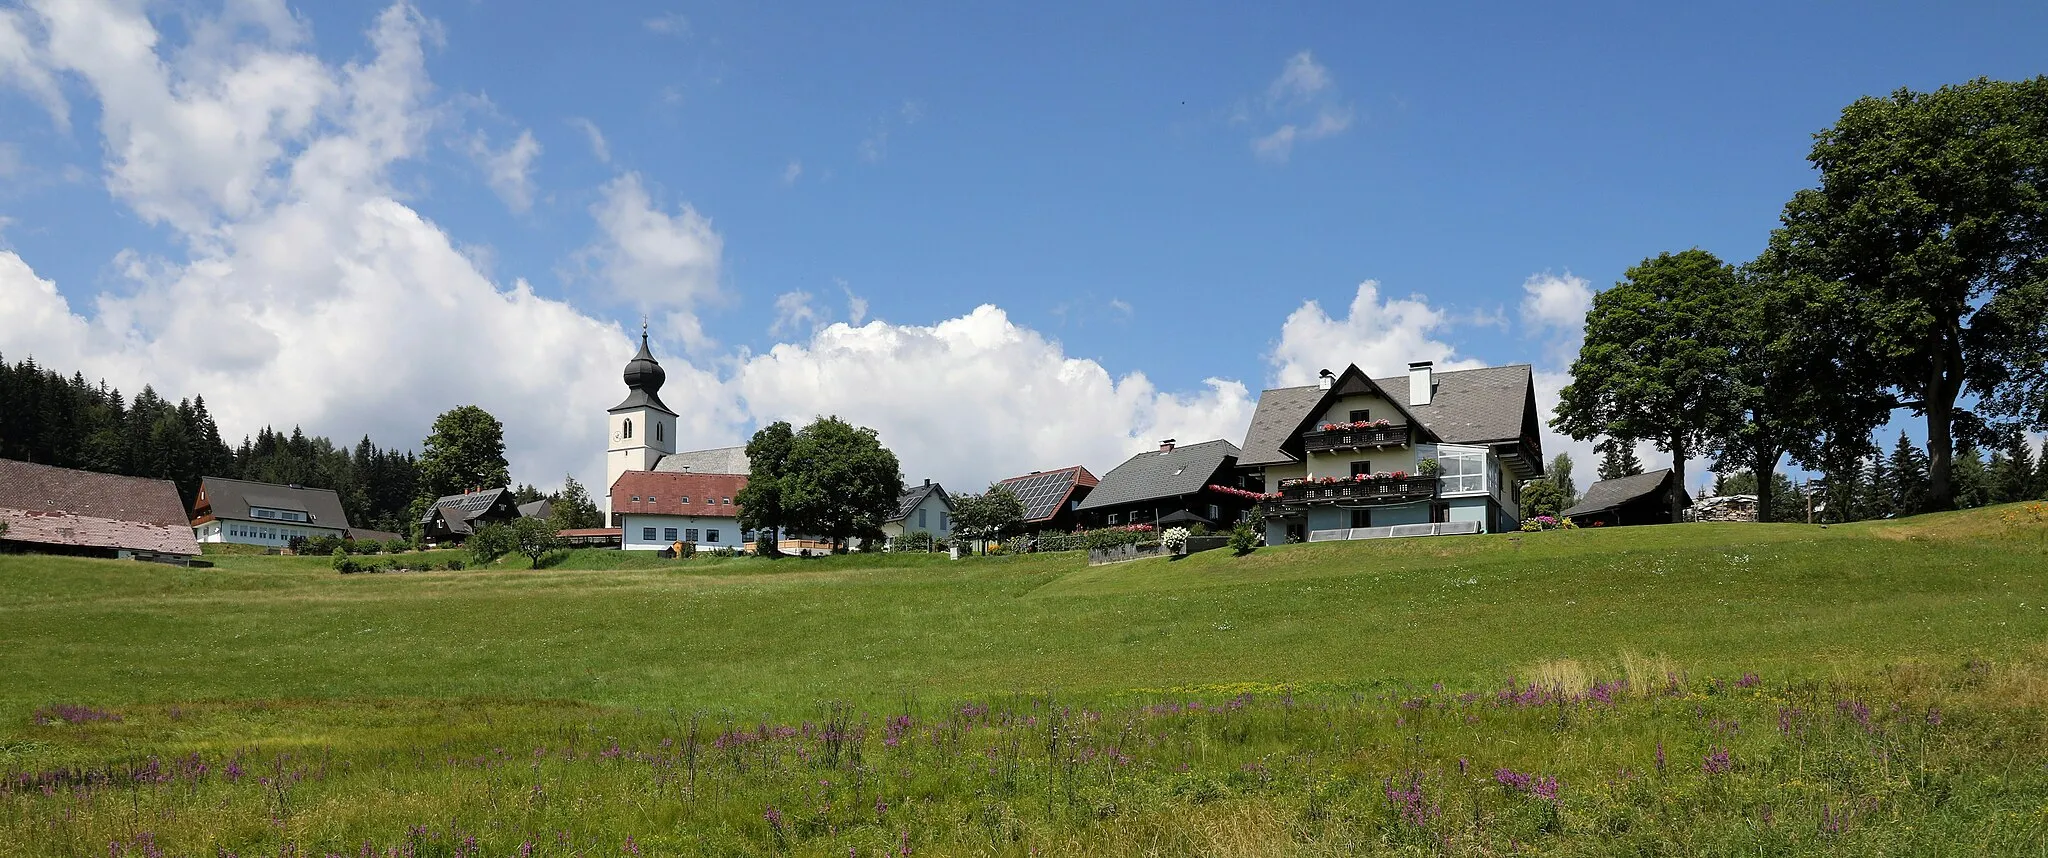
{"points": [[1748, 680], [1717, 762]]}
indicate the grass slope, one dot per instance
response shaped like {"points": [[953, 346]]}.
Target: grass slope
{"points": [[1705, 689]]}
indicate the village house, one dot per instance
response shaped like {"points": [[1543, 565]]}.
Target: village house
{"points": [[1175, 485], [1352, 455], [54, 510], [1051, 498], [266, 514], [454, 518], [926, 508], [1644, 498], [657, 509]]}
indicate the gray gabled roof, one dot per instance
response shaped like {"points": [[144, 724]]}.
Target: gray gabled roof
{"points": [[1146, 476], [231, 499], [722, 460], [463, 507], [1608, 494], [1470, 406], [907, 502]]}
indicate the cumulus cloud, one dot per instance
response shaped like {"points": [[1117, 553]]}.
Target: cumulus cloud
{"points": [[510, 172], [1555, 306], [977, 398], [310, 294], [654, 260], [24, 66], [793, 312], [1381, 336], [1304, 100], [792, 172]]}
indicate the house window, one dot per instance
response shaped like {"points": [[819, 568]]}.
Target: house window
{"points": [[1361, 518], [728, 501], [690, 534], [920, 520], [942, 522], [1113, 517], [264, 513], [1215, 513], [711, 535], [668, 534], [650, 499], [636, 498], [1361, 467], [629, 428], [1361, 415], [686, 498], [647, 534], [1462, 470]]}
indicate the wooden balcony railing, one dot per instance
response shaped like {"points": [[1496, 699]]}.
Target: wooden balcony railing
{"points": [[1348, 493], [1325, 440]]}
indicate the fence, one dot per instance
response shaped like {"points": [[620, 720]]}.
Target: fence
{"points": [[1398, 531], [1121, 553]]}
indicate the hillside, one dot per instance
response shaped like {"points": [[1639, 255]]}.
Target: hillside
{"points": [[1891, 672]]}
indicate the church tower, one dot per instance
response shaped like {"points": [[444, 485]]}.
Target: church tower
{"points": [[642, 429]]}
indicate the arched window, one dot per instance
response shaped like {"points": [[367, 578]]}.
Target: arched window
{"points": [[657, 430], [629, 428]]}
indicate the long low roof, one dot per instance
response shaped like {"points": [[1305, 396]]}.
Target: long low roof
{"points": [[86, 509], [1608, 494]]}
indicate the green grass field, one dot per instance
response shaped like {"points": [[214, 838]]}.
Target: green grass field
{"points": [[1874, 688]]}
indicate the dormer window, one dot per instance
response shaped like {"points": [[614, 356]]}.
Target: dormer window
{"points": [[686, 498]]}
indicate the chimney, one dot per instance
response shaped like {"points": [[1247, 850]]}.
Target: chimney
{"points": [[1421, 383], [1166, 446], [927, 482], [1327, 378]]}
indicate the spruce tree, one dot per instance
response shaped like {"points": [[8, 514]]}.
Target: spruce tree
{"points": [[1972, 479], [1880, 491], [1618, 459], [1909, 478], [2012, 472]]}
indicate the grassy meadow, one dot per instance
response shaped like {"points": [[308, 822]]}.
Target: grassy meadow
{"points": [[1875, 688]]}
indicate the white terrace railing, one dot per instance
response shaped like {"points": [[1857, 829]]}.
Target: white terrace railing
{"points": [[1448, 528]]}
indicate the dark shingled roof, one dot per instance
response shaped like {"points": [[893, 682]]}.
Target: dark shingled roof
{"points": [[907, 502], [1608, 494], [61, 506], [459, 509], [1470, 406], [1149, 475], [1045, 492], [231, 499]]}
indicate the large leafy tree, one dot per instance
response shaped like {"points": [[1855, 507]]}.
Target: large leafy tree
{"points": [[1543, 497], [760, 500], [466, 451], [839, 481], [1932, 217], [988, 515], [1654, 364]]}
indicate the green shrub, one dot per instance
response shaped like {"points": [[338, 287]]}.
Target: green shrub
{"points": [[1244, 539], [396, 545], [345, 564], [489, 543]]}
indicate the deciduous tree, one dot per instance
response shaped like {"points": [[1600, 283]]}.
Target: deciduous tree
{"points": [[839, 481], [760, 501], [1654, 364], [466, 451], [1932, 218]]}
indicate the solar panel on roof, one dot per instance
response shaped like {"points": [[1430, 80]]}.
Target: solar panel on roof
{"points": [[1041, 494]]}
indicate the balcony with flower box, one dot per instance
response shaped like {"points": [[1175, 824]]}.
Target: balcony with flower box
{"points": [[1368, 435], [1363, 490]]}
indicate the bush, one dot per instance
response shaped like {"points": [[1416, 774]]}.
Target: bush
{"points": [[1243, 539], [489, 543], [366, 547], [345, 564], [916, 540], [397, 545], [1175, 539], [453, 566]]}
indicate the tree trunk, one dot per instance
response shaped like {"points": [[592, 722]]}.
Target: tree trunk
{"points": [[1766, 469], [1678, 477], [1943, 386]]}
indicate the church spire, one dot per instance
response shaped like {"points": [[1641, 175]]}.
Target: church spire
{"points": [[644, 377]]}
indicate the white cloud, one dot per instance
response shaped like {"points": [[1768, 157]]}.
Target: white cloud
{"points": [[24, 66], [792, 172], [793, 312], [309, 295], [1556, 306], [856, 306], [668, 24], [654, 260], [509, 173], [598, 148], [1305, 101], [977, 398], [1382, 337]]}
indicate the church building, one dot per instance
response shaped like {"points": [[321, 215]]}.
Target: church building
{"points": [[655, 496]]}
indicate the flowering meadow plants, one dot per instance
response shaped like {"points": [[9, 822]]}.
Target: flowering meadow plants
{"points": [[1906, 762]]}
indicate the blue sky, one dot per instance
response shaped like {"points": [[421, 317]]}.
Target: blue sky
{"points": [[1111, 179]]}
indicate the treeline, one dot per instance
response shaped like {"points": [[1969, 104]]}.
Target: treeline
{"points": [[1914, 277], [68, 422]]}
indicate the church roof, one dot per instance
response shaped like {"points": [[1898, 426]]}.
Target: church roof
{"points": [[721, 460], [644, 377]]}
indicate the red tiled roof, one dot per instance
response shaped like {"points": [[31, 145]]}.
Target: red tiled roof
{"points": [[662, 493]]}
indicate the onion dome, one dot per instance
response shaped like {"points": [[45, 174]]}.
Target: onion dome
{"points": [[644, 377]]}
